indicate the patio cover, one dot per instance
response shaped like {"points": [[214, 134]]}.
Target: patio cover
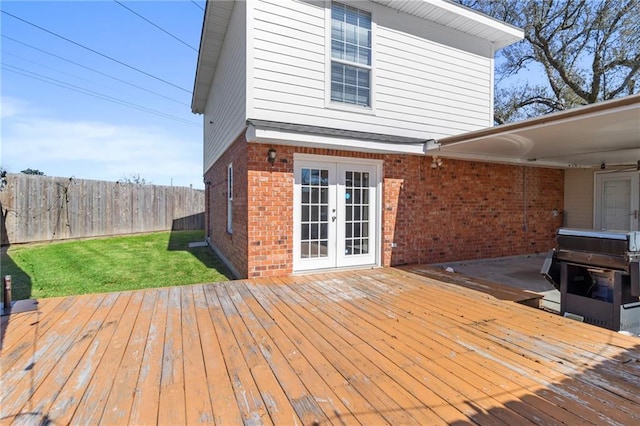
{"points": [[606, 132]]}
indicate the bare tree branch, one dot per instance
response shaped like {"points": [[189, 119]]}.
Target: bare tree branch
{"points": [[589, 51]]}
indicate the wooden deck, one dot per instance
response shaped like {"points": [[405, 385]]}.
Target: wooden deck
{"points": [[380, 346]]}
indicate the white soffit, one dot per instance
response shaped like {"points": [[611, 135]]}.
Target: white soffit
{"points": [[216, 20], [350, 141], [460, 18], [606, 132]]}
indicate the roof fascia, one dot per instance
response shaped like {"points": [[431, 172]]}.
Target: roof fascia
{"points": [[606, 107]]}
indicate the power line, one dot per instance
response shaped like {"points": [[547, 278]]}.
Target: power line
{"points": [[62, 72], [197, 5], [95, 51], [58, 70], [157, 26], [94, 70], [92, 93]]}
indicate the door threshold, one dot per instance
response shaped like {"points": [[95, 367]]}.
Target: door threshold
{"points": [[342, 268]]}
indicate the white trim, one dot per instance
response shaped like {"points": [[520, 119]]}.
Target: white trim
{"points": [[312, 263], [230, 182], [341, 106], [598, 187], [459, 18], [356, 260], [331, 160], [249, 55], [327, 53], [443, 152], [582, 137], [540, 123], [492, 82], [282, 137]]}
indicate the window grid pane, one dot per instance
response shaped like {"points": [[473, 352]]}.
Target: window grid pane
{"points": [[350, 42], [356, 228], [314, 224], [350, 84]]}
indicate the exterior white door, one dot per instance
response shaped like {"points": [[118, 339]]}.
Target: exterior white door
{"points": [[335, 213], [617, 201]]}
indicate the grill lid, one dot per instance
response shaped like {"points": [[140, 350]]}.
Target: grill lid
{"points": [[613, 242]]}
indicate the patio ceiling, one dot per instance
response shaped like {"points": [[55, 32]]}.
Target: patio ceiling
{"points": [[607, 132]]}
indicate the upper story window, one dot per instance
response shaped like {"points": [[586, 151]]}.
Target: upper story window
{"points": [[350, 55]]}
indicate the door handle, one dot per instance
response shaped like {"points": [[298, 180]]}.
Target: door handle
{"points": [[333, 218]]}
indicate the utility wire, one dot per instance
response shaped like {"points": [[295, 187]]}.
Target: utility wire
{"points": [[94, 70], [197, 5], [95, 51], [157, 26], [62, 72], [73, 87]]}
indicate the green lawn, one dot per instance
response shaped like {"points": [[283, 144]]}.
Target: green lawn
{"points": [[111, 264]]}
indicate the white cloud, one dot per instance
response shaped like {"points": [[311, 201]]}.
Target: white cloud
{"points": [[10, 107], [103, 151]]}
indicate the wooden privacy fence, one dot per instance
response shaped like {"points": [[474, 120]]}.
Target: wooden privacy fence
{"points": [[43, 208]]}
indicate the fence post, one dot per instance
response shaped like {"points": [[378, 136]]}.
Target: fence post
{"points": [[6, 293]]}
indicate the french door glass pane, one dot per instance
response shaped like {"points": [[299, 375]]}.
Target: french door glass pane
{"points": [[356, 215], [314, 220]]}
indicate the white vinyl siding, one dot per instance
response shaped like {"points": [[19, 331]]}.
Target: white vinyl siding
{"points": [[225, 111], [429, 81]]}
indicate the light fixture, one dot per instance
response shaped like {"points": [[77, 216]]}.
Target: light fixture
{"points": [[603, 166], [271, 156], [436, 162]]}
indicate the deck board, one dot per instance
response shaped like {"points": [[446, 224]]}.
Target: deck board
{"points": [[345, 351], [311, 365], [306, 409], [105, 344], [128, 345], [146, 393], [379, 346], [408, 352], [172, 402], [450, 394], [197, 398], [247, 394], [223, 402], [531, 359]]}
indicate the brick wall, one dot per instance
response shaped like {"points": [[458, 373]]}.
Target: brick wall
{"points": [[468, 210], [462, 210], [233, 246], [270, 207], [270, 211]]}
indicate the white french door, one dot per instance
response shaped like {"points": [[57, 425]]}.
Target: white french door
{"points": [[335, 213], [617, 201]]}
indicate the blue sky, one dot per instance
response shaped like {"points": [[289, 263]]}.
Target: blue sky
{"points": [[145, 127]]}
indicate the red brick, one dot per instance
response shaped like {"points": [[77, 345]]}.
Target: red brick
{"points": [[464, 210]]}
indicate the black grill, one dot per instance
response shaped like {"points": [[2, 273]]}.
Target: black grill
{"points": [[598, 276]]}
